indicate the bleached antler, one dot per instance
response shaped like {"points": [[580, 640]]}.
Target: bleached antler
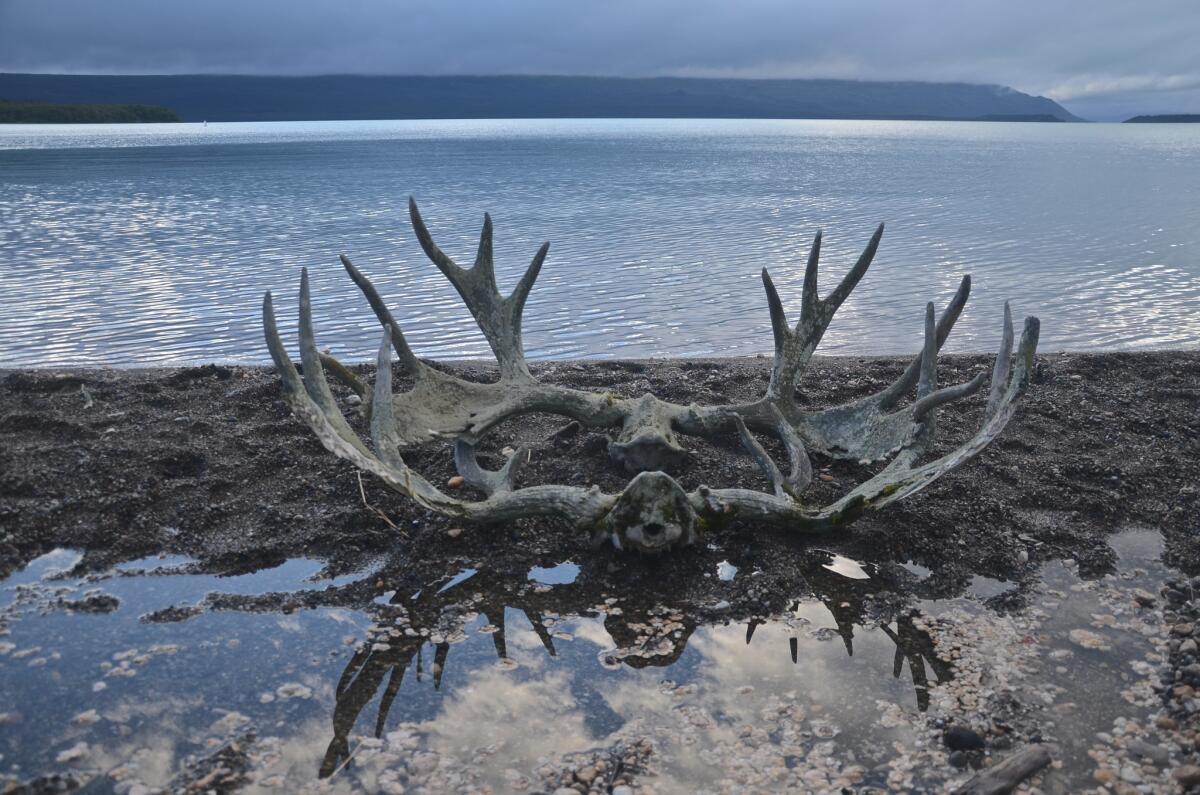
{"points": [[653, 512]]}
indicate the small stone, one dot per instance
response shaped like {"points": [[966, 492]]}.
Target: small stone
{"points": [[1188, 647], [960, 738], [454, 532], [624, 789], [456, 482], [1166, 723], [826, 477], [74, 753], [1144, 597], [1130, 775], [1182, 629], [86, 718], [1187, 775], [1088, 639], [958, 759], [1154, 753], [586, 774], [293, 690]]}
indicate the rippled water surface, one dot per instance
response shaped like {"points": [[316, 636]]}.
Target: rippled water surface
{"points": [[152, 244]]}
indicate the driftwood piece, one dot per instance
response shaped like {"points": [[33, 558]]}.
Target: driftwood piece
{"points": [[653, 513], [1003, 777]]}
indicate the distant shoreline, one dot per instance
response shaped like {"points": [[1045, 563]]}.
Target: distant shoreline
{"points": [[33, 112], [1167, 118], [371, 97]]}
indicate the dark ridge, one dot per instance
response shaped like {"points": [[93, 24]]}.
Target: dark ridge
{"points": [[247, 98], [1168, 118], [15, 112]]}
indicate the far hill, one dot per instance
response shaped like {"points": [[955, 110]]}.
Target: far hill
{"points": [[246, 98], [58, 113], [1173, 118]]}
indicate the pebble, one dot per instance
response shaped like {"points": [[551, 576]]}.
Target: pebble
{"points": [[456, 482], [1144, 597], [1088, 640], [75, 752], [1154, 753], [1187, 775], [454, 532], [86, 718], [960, 738], [293, 690]]}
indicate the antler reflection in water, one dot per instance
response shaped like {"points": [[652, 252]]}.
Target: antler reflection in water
{"points": [[631, 630]]}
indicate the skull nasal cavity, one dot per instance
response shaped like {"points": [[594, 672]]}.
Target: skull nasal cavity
{"points": [[653, 529]]}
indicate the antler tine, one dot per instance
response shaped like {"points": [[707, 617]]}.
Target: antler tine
{"points": [[446, 265], [384, 434], [487, 481], [889, 397], [929, 397], [484, 259], [1003, 363], [407, 357], [314, 372], [928, 380], [794, 347], [521, 292], [499, 318], [801, 475], [810, 299], [840, 293], [761, 457]]}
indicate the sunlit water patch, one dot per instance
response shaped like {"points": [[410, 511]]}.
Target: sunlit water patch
{"points": [[153, 244], [154, 673]]}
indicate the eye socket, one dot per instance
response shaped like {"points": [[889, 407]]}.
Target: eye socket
{"points": [[653, 529]]}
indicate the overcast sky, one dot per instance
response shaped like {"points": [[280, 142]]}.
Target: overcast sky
{"points": [[1102, 59]]}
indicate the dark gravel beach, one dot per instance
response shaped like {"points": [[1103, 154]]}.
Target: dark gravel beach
{"points": [[207, 461]]}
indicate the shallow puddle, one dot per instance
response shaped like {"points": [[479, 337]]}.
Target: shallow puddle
{"points": [[523, 681]]}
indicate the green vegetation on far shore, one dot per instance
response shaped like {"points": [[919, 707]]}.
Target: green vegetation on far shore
{"points": [[16, 112], [1170, 118]]}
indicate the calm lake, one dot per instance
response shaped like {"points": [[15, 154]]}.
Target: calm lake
{"points": [[153, 244]]}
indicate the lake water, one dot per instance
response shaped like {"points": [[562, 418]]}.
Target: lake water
{"points": [[153, 244]]}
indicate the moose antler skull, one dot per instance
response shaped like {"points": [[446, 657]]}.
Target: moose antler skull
{"points": [[653, 513]]}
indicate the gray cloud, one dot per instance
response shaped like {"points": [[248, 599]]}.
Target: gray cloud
{"points": [[1102, 59]]}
